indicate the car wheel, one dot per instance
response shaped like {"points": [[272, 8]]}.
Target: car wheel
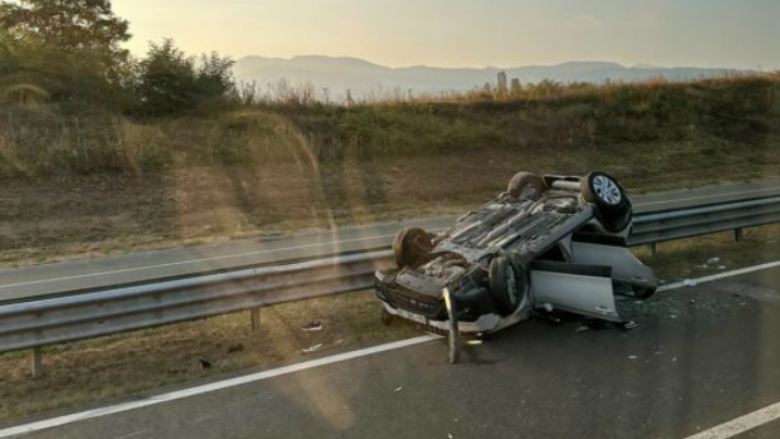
{"points": [[643, 293], [526, 185], [411, 247], [613, 206], [506, 286]]}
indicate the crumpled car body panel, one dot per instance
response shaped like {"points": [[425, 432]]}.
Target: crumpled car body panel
{"points": [[562, 255]]}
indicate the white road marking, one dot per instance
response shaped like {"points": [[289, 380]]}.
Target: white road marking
{"points": [[718, 276], [742, 424], [184, 393], [763, 416], [738, 425]]}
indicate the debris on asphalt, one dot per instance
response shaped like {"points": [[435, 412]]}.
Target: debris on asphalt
{"points": [[632, 357], [204, 363], [692, 301], [713, 261], [722, 267], [582, 328], [449, 435], [312, 349], [238, 347], [398, 389], [313, 326], [630, 325], [474, 342], [689, 283]]}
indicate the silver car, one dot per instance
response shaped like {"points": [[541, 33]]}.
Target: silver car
{"points": [[548, 243]]}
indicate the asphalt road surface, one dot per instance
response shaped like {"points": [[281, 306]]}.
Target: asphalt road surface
{"points": [[34, 282], [701, 356]]}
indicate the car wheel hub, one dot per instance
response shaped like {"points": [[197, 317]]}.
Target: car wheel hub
{"points": [[607, 190]]}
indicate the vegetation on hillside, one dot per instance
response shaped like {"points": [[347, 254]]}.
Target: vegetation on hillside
{"points": [[81, 119], [69, 54], [52, 139], [74, 102]]}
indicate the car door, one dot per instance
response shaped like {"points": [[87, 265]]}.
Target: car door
{"points": [[580, 289]]}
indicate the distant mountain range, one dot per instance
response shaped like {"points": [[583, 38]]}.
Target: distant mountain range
{"points": [[338, 74]]}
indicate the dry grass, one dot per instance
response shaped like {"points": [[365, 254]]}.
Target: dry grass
{"points": [[687, 258], [112, 367], [56, 219], [78, 184], [116, 366]]}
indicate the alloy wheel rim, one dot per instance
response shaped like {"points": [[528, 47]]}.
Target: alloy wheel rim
{"points": [[607, 190]]}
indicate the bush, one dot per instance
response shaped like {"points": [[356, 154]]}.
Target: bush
{"points": [[171, 83]]}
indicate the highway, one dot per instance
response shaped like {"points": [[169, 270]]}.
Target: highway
{"points": [[34, 282], [701, 356]]}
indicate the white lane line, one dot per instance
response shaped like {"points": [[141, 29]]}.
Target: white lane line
{"points": [[742, 424], [752, 420], [179, 394], [184, 393], [718, 276]]}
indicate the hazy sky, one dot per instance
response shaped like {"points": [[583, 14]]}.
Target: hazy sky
{"points": [[475, 33]]}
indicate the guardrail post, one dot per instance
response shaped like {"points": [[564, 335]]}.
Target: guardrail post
{"points": [[254, 317], [37, 362], [737, 235], [652, 249]]}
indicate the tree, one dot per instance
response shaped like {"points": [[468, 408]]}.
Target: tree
{"points": [[214, 75], [87, 29], [169, 82]]}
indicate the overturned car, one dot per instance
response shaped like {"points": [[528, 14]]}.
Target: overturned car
{"points": [[551, 243]]}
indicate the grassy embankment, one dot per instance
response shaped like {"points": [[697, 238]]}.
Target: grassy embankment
{"points": [[86, 183], [97, 184]]}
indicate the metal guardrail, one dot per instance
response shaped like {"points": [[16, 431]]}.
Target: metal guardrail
{"points": [[50, 321], [655, 227], [45, 322]]}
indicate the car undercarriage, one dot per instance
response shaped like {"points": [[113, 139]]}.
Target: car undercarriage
{"points": [[548, 244]]}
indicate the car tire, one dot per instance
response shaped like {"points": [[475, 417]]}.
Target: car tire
{"points": [[612, 204], [643, 293], [506, 286], [526, 183], [412, 247]]}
